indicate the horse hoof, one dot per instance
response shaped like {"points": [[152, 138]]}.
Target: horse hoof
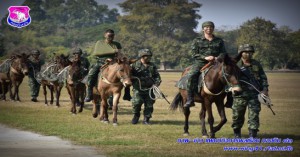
{"points": [[186, 134], [204, 136], [115, 124]]}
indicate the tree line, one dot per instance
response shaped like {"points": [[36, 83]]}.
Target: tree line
{"points": [[167, 27]]}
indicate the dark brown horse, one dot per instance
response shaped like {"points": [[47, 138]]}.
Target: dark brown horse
{"points": [[55, 84], [223, 72], [113, 78], [75, 87], [13, 79]]}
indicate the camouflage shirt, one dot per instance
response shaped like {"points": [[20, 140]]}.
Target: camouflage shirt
{"points": [[201, 48], [35, 65], [256, 75], [148, 75]]}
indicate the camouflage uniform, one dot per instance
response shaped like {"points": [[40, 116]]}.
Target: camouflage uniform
{"points": [[34, 68], [201, 48], [95, 68], [148, 76], [255, 75], [84, 62]]}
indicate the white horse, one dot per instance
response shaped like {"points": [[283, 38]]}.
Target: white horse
{"points": [[21, 16]]}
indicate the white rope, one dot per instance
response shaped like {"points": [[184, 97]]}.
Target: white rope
{"points": [[156, 91]]}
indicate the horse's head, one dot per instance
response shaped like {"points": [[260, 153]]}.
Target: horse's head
{"points": [[124, 71], [230, 73], [75, 74], [20, 63], [62, 61]]}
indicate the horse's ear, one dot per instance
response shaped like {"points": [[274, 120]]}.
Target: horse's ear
{"points": [[237, 58], [132, 61]]}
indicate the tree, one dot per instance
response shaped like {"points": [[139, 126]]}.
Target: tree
{"points": [[262, 34], [162, 25]]}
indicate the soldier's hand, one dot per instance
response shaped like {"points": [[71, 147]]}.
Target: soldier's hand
{"points": [[265, 92]]}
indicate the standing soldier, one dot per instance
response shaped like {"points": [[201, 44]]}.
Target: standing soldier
{"points": [[84, 62], [253, 73], [105, 50], [146, 75], [204, 49], [35, 64]]}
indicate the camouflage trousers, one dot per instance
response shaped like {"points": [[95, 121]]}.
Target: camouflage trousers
{"points": [[239, 107], [139, 98], [92, 75], [34, 86], [193, 75]]}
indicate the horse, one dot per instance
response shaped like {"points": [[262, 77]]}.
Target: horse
{"points": [[75, 87], [221, 73], [13, 79], [54, 84], [115, 75]]}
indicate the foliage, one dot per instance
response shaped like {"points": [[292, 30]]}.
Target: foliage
{"points": [[163, 26]]}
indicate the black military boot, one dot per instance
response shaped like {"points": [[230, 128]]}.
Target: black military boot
{"points": [[229, 100], [89, 94], [253, 133], [33, 99], [190, 99], [135, 119], [127, 95], [146, 121], [237, 133]]}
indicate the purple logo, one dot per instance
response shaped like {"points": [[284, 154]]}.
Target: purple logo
{"points": [[18, 16]]}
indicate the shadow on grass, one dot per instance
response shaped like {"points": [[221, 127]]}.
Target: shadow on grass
{"points": [[173, 122]]}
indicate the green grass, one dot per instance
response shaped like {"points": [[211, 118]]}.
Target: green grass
{"points": [[160, 138]]}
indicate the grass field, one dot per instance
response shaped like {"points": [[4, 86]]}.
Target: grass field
{"points": [[160, 138]]}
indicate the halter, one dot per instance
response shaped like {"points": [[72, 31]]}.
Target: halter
{"points": [[224, 75], [122, 78]]}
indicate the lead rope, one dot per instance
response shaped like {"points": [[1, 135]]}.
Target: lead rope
{"points": [[156, 91]]}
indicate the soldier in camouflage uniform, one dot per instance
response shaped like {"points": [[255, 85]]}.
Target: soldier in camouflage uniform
{"points": [[84, 62], [148, 75], [204, 49], [252, 72], [34, 68], [113, 48]]}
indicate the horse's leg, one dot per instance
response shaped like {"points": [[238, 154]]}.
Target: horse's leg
{"points": [[58, 89], [3, 90], [45, 94], [17, 92], [210, 119], [116, 98], [103, 109], [221, 110], [51, 88], [202, 120], [10, 90], [186, 111], [81, 98], [96, 106]]}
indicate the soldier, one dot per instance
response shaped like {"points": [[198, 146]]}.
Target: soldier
{"points": [[84, 62], [104, 51], [204, 49], [148, 75], [35, 64], [253, 73]]}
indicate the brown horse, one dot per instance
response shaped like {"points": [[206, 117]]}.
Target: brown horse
{"points": [[75, 87], [113, 78], [15, 76], [55, 84], [223, 72]]}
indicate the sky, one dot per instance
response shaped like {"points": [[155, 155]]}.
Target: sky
{"points": [[225, 13]]}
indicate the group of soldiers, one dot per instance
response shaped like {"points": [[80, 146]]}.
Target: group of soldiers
{"points": [[205, 48]]}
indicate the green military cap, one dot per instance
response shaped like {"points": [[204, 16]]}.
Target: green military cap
{"points": [[36, 52], [145, 52], [77, 51], [208, 23], [245, 48]]}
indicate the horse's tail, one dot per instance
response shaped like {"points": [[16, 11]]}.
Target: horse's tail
{"points": [[177, 101]]}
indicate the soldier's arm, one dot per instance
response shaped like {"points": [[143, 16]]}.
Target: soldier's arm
{"points": [[195, 50], [263, 78], [156, 76]]}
